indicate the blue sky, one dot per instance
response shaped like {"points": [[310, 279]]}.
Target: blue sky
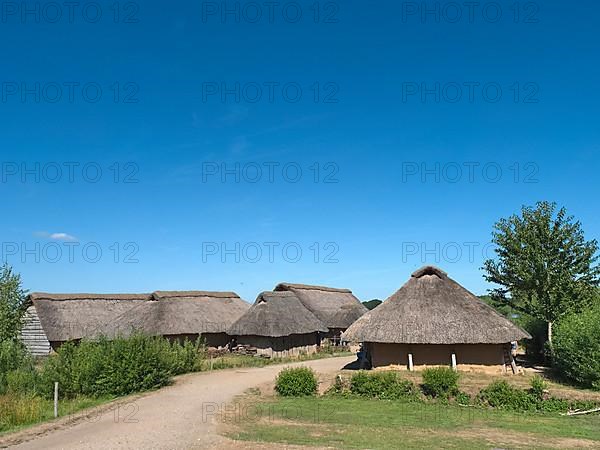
{"points": [[413, 135]]}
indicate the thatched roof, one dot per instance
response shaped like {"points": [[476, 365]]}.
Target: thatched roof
{"points": [[191, 294], [276, 314], [46, 296], [431, 308], [74, 316], [336, 308]]}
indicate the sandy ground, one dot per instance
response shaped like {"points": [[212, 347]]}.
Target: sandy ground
{"points": [[182, 416]]}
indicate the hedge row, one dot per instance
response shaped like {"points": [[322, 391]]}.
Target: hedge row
{"points": [[98, 368]]}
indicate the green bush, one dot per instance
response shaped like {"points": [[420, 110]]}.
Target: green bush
{"points": [[188, 356], [13, 356], [538, 386], [576, 348], [296, 382], [383, 385], [462, 398], [23, 381], [118, 367], [440, 382], [503, 395]]}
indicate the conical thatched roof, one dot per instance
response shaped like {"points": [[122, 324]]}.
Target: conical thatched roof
{"points": [[431, 308], [336, 308], [66, 317], [276, 314]]}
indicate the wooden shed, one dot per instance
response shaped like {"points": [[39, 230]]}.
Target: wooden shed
{"points": [[431, 321]]}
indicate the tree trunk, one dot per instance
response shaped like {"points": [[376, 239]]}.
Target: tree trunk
{"points": [[550, 357]]}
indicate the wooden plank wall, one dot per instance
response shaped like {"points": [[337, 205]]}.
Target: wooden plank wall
{"points": [[33, 335]]}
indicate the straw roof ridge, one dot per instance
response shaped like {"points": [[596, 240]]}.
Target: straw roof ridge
{"points": [[269, 295], [86, 296], [432, 308], [429, 270], [276, 314], [335, 308], [189, 294], [287, 286]]}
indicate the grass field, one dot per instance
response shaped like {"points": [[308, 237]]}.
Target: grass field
{"points": [[18, 412], [377, 424]]}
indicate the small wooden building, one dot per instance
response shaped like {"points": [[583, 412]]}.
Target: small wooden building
{"points": [[433, 321], [336, 308], [278, 325], [52, 319]]}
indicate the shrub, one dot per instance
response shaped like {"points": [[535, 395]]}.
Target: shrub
{"points": [[440, 382], [13, 356], [118, 367], [188, 357], [501, 394], [462, 398], [296, 382], [383, 385], [23, 381], [538, 386], [576, 348]]}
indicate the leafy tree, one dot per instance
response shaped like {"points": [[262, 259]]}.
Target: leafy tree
{"points": [[504, 308], [545, 268], [577, 347], [12, 299], [372, 304]]}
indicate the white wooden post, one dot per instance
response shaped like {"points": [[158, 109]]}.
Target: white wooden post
{"points": [[211, 363], [453, 361], [55, 399], [410, 362]]}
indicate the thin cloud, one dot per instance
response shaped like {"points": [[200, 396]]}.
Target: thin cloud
{"points": [[55, 236]]}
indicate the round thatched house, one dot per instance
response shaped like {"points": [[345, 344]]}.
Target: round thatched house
{"points": [[278, 325], [432, 320]]}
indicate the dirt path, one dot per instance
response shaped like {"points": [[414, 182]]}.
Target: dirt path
{"points": [[181, 416]]}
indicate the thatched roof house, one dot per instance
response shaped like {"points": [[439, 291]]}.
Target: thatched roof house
{"points": [[336, 308], [431, 318], [52, 319], [279, 325]]}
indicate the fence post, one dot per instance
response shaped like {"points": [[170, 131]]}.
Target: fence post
{"points": [[55, 399]]}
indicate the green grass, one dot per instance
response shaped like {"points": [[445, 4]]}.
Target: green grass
{"points": [[378, 424], [235, 361], [17, 412]]}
